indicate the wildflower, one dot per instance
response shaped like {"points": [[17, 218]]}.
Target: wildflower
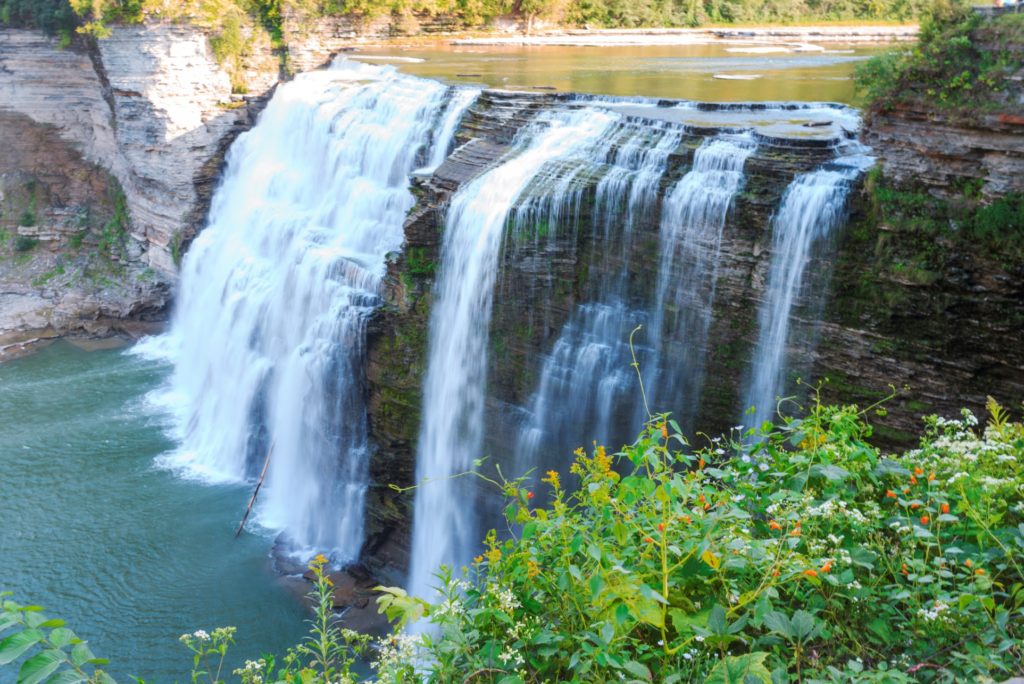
{"points": [[664, 431], [913, 480], [890, 494], [904, 569], [931, 477], [968, 563], [924, 519], [701, 463], [914, 506], [795, 532], [811, 573], [649, 540], [529, 495], [478, 560], [201, 635], [944, 508], [661, 527], [775, 572], [493, 555], [979, 571], [918, 470], [774, 525], [686, 519], [552, 479], [532, 569], [827, 566]]}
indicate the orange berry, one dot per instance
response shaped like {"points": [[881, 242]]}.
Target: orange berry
{"points": [[904, 569], [529, 495], [811, 573], [944, 508], [661, 527], [890, 494], [774, 525], [924, 519], [701, 498], [649, 540]]}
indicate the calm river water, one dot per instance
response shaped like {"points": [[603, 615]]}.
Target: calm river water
{"points": [[130, 555]]}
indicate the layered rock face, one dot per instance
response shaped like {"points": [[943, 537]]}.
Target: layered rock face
{"points": [[148, 114], [917, 145], [859, 322]]}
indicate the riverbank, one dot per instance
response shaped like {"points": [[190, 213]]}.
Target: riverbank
{"points": [[797, 36]]}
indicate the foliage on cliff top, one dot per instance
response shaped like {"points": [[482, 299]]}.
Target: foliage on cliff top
{"points": [[962, 66], [795, 553], [93, 15]]}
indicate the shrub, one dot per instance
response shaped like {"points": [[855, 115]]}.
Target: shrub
{"points": [[24, 243], [798, 553]]}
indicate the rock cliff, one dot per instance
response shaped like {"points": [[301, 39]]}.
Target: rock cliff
{"points": [[142, 119], [950, 334]]}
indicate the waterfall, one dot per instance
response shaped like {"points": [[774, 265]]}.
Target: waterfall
{"points": [[459, 102], [586, 380], [268, 335], [451, 435], [693, 216], [812, 207]]}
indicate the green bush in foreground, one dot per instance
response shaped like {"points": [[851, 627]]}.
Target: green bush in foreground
{"points": [[794, 553]]}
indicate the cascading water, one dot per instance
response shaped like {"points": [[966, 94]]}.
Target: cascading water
{"points": [[444, 527], [276, 291], [812, 207], [461, 100], [587, 379], [693, 216]]}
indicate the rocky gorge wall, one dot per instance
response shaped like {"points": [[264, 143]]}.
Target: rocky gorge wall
{"points": [[945, 340], [143, 118]]}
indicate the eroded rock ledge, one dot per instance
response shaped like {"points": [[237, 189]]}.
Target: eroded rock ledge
{"points": [[120, 144]]}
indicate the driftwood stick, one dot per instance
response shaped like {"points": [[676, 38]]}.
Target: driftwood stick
{"points": [[256, 491]]}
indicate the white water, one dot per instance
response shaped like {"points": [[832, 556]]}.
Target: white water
{"points": [[693, 215], [587, 378], [813, 206], [451, 434], [268, 336], [461, 100]]}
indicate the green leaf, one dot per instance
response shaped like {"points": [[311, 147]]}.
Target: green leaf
{"points": [[81, 654], [15, 645], [61, 637], [740, 669], [66, 677], [778, 622], [637, 670], [40, 666]]}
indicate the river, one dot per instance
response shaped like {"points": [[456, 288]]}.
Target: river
{"points": [[129, 554]]}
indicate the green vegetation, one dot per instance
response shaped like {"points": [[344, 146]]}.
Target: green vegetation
{"points": [[24, 243], [962, 65], [224, 17], [999, 225], [796, 553]]}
